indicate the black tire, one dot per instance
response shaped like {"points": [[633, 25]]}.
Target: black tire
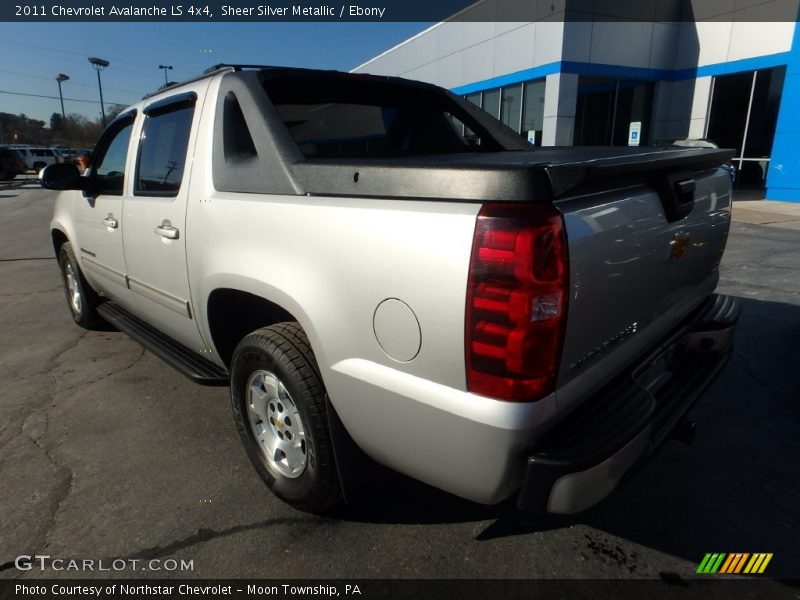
{"points": [[283, 350], [83, 313]]}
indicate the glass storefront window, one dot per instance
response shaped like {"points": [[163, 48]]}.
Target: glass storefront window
{"points": [[474, 98], [764, 112], [594, 111], [729, 110], [519, 107], [510, 106], [743, 115], [491, 103], [606, 108], [533, 111], [634, 101]]}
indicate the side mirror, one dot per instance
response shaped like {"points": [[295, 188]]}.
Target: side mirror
{"points": [[62, 176]]}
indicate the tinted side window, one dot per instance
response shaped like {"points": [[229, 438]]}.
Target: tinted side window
{"points": [[109, 170], [162, 153]]}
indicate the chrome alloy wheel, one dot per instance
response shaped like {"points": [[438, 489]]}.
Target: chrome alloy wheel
{"points": [[276, 425], [73, 289]]}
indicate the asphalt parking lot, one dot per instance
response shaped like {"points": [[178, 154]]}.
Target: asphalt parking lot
{"points": [[106, 452]]}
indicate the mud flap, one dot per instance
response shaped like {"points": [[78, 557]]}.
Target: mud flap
{"points": [[354, 467]]}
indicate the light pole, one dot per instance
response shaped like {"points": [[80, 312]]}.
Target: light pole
{"points": [[99, 64], [59, 78], [165, 68]]}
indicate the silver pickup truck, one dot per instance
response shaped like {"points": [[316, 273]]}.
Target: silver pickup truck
{"points": [[379, 269]]}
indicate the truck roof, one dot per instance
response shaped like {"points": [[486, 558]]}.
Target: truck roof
{"points": [[294, 72]]}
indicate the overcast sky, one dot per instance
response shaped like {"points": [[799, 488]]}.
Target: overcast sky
{"points": [[33, 53]]}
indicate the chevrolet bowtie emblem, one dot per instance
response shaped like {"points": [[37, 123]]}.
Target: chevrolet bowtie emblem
{"points": [[678, 245]]}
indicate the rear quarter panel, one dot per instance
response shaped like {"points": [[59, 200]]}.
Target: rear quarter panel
{"points": [[332, 261]]}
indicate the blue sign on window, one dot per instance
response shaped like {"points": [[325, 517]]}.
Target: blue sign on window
{"points": [[634, 129]]}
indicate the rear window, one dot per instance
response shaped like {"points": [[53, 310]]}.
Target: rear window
{"points": [[348, 118], [321, 129]]}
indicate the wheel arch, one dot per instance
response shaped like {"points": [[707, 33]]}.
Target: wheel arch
{"points": [[59, 238], [233, 313]]}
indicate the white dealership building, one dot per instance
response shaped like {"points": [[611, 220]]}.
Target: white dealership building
{"points": [[572, 76]]}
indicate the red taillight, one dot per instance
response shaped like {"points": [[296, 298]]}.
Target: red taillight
{"points": [[516, 301]]}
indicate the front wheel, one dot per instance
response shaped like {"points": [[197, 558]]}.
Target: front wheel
{"points": [[82, 300], [278, 402]]}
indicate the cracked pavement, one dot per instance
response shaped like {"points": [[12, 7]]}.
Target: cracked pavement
{"points": [[105, 452]]}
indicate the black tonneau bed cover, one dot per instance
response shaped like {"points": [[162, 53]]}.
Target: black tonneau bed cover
{"points": [[543, 174]]}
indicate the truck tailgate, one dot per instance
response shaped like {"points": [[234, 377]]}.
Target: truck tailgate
{"points": [[634, 273]]}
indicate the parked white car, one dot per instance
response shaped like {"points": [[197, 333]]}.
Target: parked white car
{"points": [[42, 157], [37, 158]]}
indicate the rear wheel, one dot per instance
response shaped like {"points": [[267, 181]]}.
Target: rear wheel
{"points": [[278, 402], [82, 300]]}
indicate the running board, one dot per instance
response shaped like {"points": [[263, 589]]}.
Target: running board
{"points": [[179, 357]]}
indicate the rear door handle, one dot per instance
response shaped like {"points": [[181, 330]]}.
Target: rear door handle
{"points": [[167, 230], [111, 221]]}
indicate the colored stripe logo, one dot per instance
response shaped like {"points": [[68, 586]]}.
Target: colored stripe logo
{"points": [[734, 563]]}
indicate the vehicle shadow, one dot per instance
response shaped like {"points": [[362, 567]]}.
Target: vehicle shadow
{"points": [[735, 489]]}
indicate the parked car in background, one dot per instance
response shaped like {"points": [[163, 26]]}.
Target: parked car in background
{"points": [[11, 163], [36, 157], [26, 155], [43, 157], [69, 155], [58, 153]]}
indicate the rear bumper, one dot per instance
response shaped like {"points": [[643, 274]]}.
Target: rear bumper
{"points": [[584, 457]]}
